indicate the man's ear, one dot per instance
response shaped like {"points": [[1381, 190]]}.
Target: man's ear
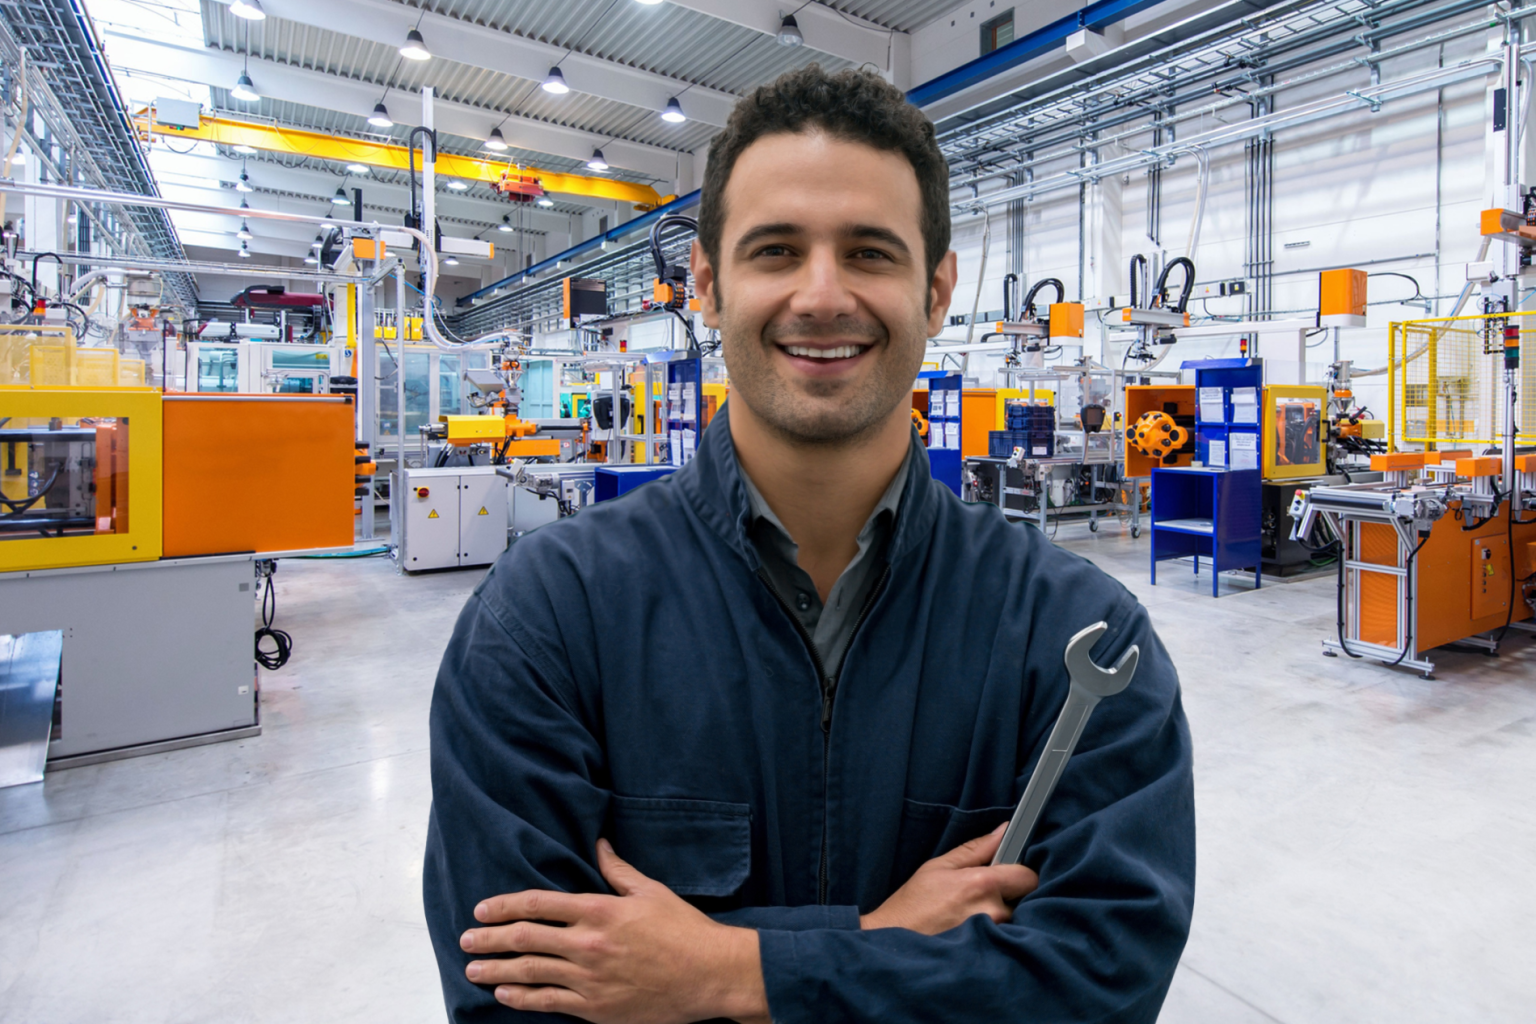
{"points": [[940, 290], [704, 285]]}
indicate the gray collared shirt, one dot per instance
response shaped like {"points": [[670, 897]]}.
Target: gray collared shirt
{"points": [[829, 626]]}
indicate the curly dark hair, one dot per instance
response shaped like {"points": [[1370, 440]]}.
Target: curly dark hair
{"points": [[855, 106]]}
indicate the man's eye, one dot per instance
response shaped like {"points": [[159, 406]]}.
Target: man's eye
{"points": [[773, 251], [870, 254]]}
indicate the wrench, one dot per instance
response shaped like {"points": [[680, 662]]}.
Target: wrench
{"points": [[1090, 684]]}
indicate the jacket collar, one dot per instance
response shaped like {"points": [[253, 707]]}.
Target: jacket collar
{"points": [[711, 483]]}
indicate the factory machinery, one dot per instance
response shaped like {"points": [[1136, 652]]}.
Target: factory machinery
{"points": [[1440, 547]]}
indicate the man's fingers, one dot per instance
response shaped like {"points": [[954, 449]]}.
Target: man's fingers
{"points": [[1014, 881], [520, 937], [526, 970], [533, 905], [622, 875], [541, 999], [976, 852]]}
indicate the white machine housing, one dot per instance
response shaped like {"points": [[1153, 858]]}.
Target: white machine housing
{"points": [[449, 518]]}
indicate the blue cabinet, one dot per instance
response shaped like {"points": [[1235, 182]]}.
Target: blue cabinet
{"points": [[1207, 512]]}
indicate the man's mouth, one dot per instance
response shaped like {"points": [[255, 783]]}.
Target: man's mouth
{"points": [[837, 352]]}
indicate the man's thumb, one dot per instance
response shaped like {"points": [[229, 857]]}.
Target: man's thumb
{"points": [[619, 873], [976, 852]]}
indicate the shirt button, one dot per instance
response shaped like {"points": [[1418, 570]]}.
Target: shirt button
{"points": [[803, 601]]}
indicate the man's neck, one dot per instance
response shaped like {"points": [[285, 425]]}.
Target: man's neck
{"points": [[823, 494]]}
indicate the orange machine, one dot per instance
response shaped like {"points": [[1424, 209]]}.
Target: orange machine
{"points": [[261, 473], [1175, 400]]}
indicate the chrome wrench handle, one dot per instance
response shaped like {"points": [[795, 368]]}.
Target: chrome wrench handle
{"points": [[1089, 685]]}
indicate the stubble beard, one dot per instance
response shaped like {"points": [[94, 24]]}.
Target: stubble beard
{"points": [[819, 412]]}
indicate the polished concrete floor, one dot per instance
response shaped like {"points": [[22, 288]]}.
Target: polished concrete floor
{"points": [[1367, 839]]}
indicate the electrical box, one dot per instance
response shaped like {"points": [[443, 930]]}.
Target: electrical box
{"points": [[1341, 298], [1066, 319], [1490, 576], [450, 518]]}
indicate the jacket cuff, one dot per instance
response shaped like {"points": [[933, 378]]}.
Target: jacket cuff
{"points": [[791, 919]]}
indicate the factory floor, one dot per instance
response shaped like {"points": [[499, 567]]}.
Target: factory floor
{"points": [[1366, 837]]}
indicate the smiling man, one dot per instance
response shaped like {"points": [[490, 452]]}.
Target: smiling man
{"points": [[798, 686]]}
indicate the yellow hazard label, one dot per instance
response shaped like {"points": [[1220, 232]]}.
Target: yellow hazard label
{"points": [[482, 511], [432, 514]]}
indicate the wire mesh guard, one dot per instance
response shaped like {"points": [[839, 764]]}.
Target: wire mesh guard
{"points": [[1447, 381]]}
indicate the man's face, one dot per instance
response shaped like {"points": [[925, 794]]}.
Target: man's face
{"points": [[821, 296]]}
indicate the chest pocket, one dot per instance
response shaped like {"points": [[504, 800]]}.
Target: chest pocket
{"points": [[694, 847], [929, 830]]}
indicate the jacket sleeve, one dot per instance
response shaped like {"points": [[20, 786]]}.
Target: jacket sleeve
{"points": [[1101, 936], [518, 797]]}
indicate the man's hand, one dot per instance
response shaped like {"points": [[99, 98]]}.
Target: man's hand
{"points": [[643, 956], [947, 890]]}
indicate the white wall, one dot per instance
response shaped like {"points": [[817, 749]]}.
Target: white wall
{"points": [[1403, 185]]}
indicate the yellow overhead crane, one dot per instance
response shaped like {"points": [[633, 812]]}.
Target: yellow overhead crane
{"points": [[231, 132]]}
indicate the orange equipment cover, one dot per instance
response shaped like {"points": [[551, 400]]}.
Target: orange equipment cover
{"points": [[1483, 465], [1395, 461], [1342, 293], [260, 473]]}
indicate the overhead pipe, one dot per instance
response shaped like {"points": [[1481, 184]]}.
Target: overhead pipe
{"points": [[1234, 133]]}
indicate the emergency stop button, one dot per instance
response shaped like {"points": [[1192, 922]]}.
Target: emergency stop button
{"points": [[422, 492]]}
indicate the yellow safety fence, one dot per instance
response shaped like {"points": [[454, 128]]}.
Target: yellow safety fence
{"points": [[48, 355], [1445, 385]]}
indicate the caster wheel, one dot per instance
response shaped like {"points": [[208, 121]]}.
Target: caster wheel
{"points": [[1330, 654], [1135, 532], [1093, 526]]}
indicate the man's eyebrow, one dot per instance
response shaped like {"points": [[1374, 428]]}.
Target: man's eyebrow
{"points": [[852, 232], [766, 231], [874, 233]]}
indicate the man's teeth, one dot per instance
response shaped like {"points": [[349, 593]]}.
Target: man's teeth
{"points": [[843, 352]]}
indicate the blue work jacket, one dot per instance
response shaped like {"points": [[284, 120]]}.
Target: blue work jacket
{"points": [[627, 672]]}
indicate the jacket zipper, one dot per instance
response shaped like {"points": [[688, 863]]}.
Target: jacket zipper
{"points": [[828, 687]]}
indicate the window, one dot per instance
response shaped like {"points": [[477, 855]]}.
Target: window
{"points": [[997, 32]]}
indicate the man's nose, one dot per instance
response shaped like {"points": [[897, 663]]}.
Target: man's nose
{"points": [[821, 290]]}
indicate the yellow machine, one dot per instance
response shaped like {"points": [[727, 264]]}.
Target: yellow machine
{"points": [[81, 474], [508, 433]]}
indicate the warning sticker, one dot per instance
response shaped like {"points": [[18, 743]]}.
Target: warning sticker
{"points": [[432, 514], [482, 511]]}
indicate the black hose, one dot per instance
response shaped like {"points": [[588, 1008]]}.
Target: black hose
{"points": [[1188, 266], [42, 256], [1029, 299], [1010, 287], [410, 160], [1141, 261], [671, 219]]}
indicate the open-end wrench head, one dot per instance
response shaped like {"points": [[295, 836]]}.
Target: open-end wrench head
{"points": [[1100, 682]]}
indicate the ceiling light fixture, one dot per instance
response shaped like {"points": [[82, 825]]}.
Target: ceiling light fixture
{"points": [[457, 185], [380, 117], [317, 243], [340, 198], [243, 183], [789, 32], [597, 163], [545, 202], [245, 251], [674, 112], [450, 261], [243, 149], [415, 47], [506, 223], [554, 82], [245, 89], [312, 260], [650, 3], [243, 204], [357, 168], [250, 10], [244, 234], [496, 141]]}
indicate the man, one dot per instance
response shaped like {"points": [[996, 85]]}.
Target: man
{"points": [[798, 686]]}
